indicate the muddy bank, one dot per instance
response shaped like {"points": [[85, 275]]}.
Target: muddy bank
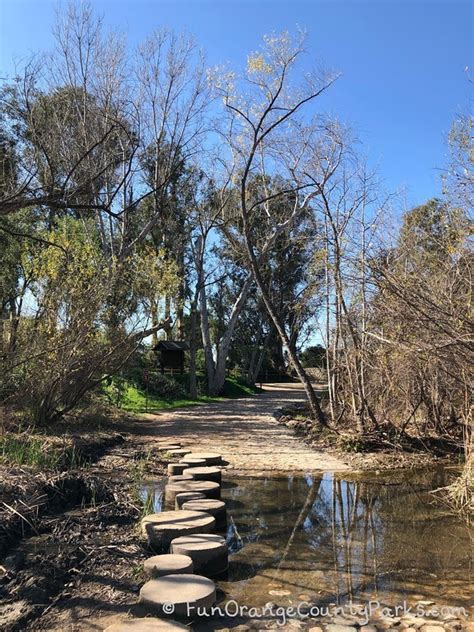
{"points": [[63, 536], [382, 451]]}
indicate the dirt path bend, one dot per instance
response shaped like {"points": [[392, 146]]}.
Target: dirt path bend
{"points": [[245, 433]]}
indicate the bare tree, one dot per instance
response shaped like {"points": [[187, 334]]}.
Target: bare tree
{"points": [[267, 133]]}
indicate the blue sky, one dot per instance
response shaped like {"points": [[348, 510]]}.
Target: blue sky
{"points": [[403, 62]]}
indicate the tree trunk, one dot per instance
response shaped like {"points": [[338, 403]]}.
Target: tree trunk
{"points": [[193, 350], [316, 410]]}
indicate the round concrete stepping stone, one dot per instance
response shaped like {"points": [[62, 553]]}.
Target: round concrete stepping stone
{"points": [[193, 462], [167, 447], [208, 473], [208, 488], [169, 564], [213, 507], [180, 477], [211, 458], [180, 452], [149, 624], [208, 552], [182, 498], [161, 528], [185, 592], [176, 468]]}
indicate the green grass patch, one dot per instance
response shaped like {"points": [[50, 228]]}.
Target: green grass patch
{"points": [[38, 453], [135, 400]]}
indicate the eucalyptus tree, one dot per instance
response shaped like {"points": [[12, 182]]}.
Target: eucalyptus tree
{"points": [[81, 123]]}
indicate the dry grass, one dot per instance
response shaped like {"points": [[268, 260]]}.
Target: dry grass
{"points": [[459, 495]]}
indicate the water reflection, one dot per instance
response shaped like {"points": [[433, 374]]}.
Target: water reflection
{"points": [[330, 539]]}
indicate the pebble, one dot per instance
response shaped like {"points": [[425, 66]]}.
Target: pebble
{"points": [[413, 622], [279, 593], [449, 617], [432, 628], [315, 630], [391, 621], [345, 620], [368, 628], [333, 627]]}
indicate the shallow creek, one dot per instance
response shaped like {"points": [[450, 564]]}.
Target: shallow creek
{"points": [[329, 539]]}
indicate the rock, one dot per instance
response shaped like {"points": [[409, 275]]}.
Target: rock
{"points": [[208, 552], [279, 593], [345, 620], [315, 629], [161, 565], [432, 628], [180, 595], [447, 618], [368, 628], [180, 499], [149, 624], [333, 627], [411, 621], [213, 507], [208, 488], [169, 447], [304, 597], [211, 458], [162, 528], [208, 473]]}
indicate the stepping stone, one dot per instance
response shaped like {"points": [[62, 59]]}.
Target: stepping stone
{"points": [[180, 452], [149, 624], [185, 592], [205, 474], [182, 498], [167, 447], [213, 507], [208, 552], [161, 528], [180, 477], [211, 458], [160, 565], [176, 468], [193, 462], [208, 488]]}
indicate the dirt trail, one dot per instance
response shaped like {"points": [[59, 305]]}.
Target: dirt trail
{"points": [[245, 433]]}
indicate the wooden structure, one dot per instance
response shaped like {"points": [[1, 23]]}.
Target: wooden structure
{"points": [[171, 355]]}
